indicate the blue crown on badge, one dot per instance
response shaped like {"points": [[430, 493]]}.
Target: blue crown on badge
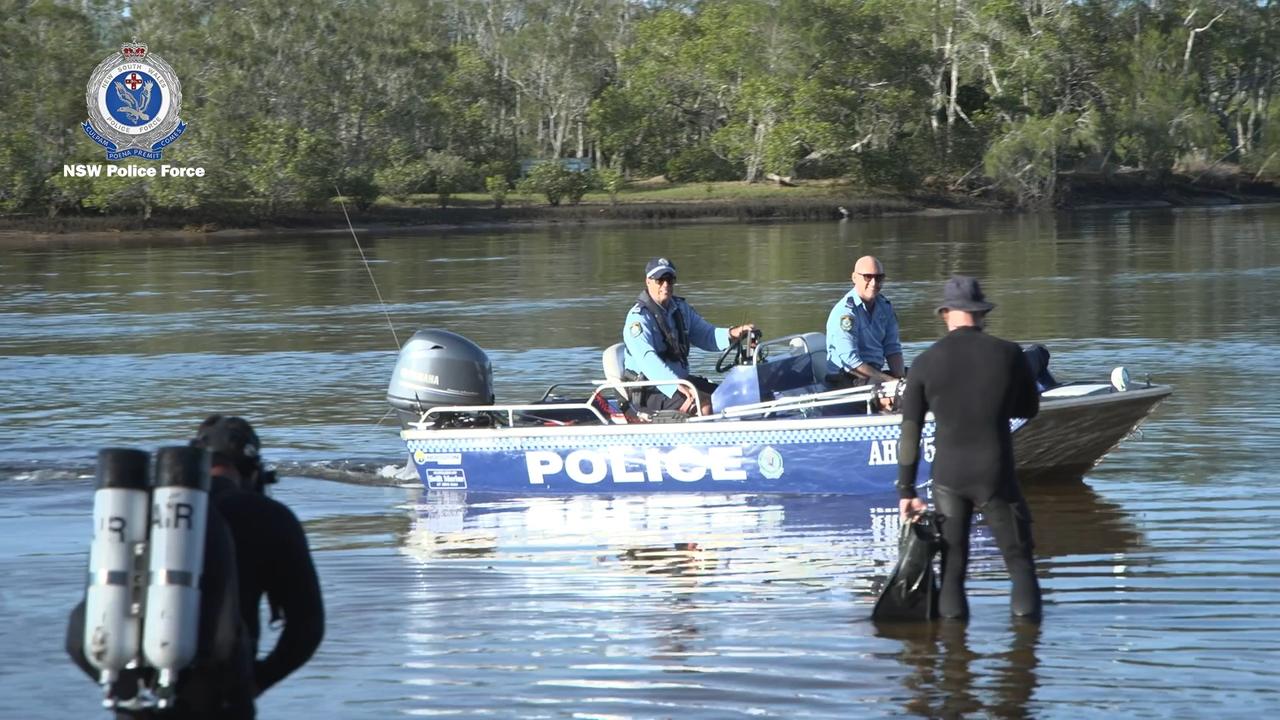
{"points": [[133, 98]]}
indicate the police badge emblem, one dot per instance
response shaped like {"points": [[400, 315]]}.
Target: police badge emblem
{"points": [[846, 322], [133, 99], [770, 463]]}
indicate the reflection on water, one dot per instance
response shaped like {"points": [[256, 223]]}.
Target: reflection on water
{"points": [[1070, 518], [690, 597], [948, 678]]}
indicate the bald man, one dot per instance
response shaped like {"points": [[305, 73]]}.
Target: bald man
{"points": [[862, 332]]}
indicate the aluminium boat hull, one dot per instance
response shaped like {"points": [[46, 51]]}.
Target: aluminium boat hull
{"points": [[1072, 434]]}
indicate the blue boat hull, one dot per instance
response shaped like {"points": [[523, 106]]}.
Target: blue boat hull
{"points": [[854, 455]]}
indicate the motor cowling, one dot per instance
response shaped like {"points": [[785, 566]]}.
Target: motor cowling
{"points": [[438, 368]]}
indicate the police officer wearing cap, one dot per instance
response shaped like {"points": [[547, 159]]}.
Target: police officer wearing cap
{"points": [[974, 383], [658, 332], [271, 549], [862, 332]]}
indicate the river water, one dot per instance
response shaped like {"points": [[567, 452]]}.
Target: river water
{"points": [[1160, 571]]}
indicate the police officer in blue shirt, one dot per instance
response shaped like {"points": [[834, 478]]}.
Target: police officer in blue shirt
{"points": [[658, 332], [862, 332]]}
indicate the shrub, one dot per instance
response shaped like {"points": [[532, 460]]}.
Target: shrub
{"points": [[700, 164], [358, 187], [448, 174], [611, 180], [497, 187], [402, 179], [554, 181]]}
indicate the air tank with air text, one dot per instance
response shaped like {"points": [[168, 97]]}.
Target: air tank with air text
{"points": [[179, 509], [112, 628]]}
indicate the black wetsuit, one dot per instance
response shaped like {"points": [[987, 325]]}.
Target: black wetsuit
{"points": [[273, 559], [974, 383]]}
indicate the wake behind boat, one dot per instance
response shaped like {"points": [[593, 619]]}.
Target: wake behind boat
{"points": [[777, 429]]}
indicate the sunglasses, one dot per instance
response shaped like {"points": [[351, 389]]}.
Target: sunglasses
{"points": [[878, 277], [669, 279]]}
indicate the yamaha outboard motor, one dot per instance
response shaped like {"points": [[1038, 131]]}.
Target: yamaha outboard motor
{"points": [[438, 368]]}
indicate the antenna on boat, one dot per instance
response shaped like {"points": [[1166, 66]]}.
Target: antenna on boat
{"points": [[366, 266]]}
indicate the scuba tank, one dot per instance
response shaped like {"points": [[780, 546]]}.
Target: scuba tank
{"points": [[112, 627], [179, 509], [144, 619]]}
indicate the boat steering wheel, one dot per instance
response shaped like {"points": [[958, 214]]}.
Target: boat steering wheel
{"points": [[741, 352]]}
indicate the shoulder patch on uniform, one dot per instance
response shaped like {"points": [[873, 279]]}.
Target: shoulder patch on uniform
{"points": [[636, 329], [846, 322]]}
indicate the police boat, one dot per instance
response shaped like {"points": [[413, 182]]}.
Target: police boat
{"points": [[777, 428]]}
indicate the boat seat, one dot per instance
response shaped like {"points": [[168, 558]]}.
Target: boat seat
{"points": [[614, 360]]}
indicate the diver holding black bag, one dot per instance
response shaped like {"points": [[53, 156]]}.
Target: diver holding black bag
{"points": [[911, 592], [975, 384]]}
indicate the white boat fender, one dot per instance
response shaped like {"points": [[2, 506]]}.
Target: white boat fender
{"points": [[1120, 379], [179, 511], [113, 594]]}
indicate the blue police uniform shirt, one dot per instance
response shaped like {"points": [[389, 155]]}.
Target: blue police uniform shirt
{"points": [[644, 340], [856, 336]]}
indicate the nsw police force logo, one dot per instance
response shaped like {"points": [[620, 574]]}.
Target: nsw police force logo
{"points": [[133, 99]]}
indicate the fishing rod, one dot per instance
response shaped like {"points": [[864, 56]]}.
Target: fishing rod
{"points": [[367, 268]]}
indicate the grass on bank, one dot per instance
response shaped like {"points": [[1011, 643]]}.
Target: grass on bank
{"points": [[641, 202], [651, 201], [655, 191]]}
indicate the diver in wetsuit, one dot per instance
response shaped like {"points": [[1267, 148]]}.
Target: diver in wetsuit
{"points": [[974, 383], [271, 549]]}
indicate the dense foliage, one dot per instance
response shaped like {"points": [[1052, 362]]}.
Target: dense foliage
{"points": [[288, 100]]}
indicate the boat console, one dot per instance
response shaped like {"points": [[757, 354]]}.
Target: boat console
{"points": [[799, 366]]}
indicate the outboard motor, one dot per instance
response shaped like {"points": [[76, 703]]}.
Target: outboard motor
{"points": [[437, 368]]}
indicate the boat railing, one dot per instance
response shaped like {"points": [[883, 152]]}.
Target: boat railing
{"points": [[621, 385], [864, 393], [510, 410], [513, 410], [538, 410]]}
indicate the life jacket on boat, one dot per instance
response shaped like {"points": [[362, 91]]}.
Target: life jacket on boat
{"points": [[676, 339]]}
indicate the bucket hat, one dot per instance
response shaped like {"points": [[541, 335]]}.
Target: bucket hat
{"points": [[963, 293]]}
